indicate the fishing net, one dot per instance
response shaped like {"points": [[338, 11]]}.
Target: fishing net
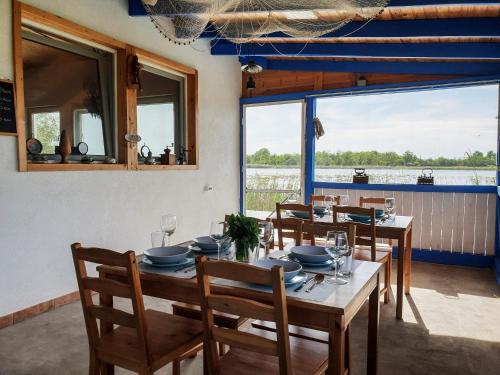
{"points": [[242, 21]]}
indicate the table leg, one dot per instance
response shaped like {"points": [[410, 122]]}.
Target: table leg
{"points": [[336, 356], [106, 300], [401, 271], [373, 322], [408, 262]]}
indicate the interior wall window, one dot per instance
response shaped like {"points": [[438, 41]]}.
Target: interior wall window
{"points": [[160, 111], [77, 81], [46, 128]]}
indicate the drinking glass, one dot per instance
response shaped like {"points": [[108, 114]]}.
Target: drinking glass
{"points": [[343, 200], [390, 206], [168, 225], [330, 202], [336, 247], [266, 233], [217, 234], [157, 238]]}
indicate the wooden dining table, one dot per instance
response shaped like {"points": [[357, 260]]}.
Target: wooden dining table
{"points": [[400, 229], [333, 314]]}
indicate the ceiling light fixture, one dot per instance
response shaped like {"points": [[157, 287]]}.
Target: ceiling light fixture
{"points": [[251, 68]]}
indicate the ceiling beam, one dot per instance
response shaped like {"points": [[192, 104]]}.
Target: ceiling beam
{"points": [[473, 27], [385, 67], [355, 50], [136, 8]]}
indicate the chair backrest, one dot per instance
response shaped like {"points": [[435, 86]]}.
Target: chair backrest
{"points": [[288, 228], [274, 311], [365, 233], [107, 288], [320, 229], [371, 200], [321, 198]]}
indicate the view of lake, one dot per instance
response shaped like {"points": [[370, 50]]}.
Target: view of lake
{"points": [[290, 176]]}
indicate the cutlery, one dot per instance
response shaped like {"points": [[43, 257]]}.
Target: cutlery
{"points": [[278, 256], [304, 283], [183, 267], [189, 269], [318, 279]]}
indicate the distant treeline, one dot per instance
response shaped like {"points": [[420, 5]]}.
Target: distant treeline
{"points": [[373, 158]]}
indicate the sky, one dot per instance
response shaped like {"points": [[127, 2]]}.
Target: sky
{"points": [[429, 123]]}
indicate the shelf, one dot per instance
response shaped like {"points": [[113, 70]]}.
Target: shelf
{"points": [[159, 167], [53, 167]]}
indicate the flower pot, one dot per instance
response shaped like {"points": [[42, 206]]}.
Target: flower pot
{"points": [[246, 253]]}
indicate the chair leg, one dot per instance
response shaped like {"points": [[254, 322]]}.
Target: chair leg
{"points": [[107, 369], [387, 280], [221, 349], [94, 364], [176, 367]]}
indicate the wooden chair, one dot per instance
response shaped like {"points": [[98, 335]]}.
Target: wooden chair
{"points": [[254, 351], [288, 227], [363, 201], [321, 198], [144, 340], [366, 243]]}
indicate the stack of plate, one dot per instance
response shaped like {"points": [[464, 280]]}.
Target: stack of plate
{"points": [[310, 256], [169, 256], [365, 219], [206, 245]]}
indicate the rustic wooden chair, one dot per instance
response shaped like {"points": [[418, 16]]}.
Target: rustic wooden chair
{"points": [[143, 341], [254, 351], [321, 198], [288, 227], [379, 201], [366, 243]]}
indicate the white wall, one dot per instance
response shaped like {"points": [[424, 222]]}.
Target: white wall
{"points": [[42, 213]]}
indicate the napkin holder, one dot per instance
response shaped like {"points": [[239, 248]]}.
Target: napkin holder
{"points": [[360, 177]]}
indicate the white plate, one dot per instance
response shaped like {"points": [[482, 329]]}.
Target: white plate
{"points": [[184, 262]]}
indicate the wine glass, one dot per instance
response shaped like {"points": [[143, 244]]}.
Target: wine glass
{"points": [[168, 225], [266, 233], [336, 247], [217, 234], [390, 206], [330, 202]]}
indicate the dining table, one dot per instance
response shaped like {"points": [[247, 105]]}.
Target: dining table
{"points": [[329, 308], [398, 228]]}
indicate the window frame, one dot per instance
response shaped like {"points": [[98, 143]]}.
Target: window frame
{"points": [[125, 95]]}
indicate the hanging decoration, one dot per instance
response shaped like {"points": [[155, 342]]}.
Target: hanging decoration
{"points": [[243, 21]]}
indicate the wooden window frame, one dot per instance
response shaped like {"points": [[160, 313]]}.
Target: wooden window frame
{"points": [[126, 97]]}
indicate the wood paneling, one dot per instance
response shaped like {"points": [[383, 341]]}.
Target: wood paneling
{"points": [[271, 82], [451, 222]]}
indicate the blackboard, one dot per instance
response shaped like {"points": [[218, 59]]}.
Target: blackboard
{"points": [[7, 110]]}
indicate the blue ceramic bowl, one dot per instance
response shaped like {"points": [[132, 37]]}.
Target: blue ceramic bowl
{"points": [[320, 210], [290, 269], [310, 254], [208, 244], [166, 255], [300, 214]]}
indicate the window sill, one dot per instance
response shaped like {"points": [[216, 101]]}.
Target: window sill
{"points": [[159, 167], [31, 167]]}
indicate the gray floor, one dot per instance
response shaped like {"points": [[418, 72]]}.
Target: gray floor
{"points": [[451, 326]]}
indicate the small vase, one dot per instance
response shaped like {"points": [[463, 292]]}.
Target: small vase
{"points": [[64, 146], [246, 253]]}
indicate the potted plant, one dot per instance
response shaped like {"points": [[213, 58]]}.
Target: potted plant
{"points": [[244, 231]]}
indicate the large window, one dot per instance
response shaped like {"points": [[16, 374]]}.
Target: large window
{"points": [[394, 136], [68, 86]]}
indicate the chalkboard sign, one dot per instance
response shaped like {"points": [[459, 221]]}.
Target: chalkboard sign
{"points": [[7, 110]]}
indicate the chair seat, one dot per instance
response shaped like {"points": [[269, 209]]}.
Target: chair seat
{"points": [[307, 357], [296, 331], [364, 253], [168, 336], [220, 319]]}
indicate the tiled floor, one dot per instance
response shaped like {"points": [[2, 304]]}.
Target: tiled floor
{"points": [[451, 326]]}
